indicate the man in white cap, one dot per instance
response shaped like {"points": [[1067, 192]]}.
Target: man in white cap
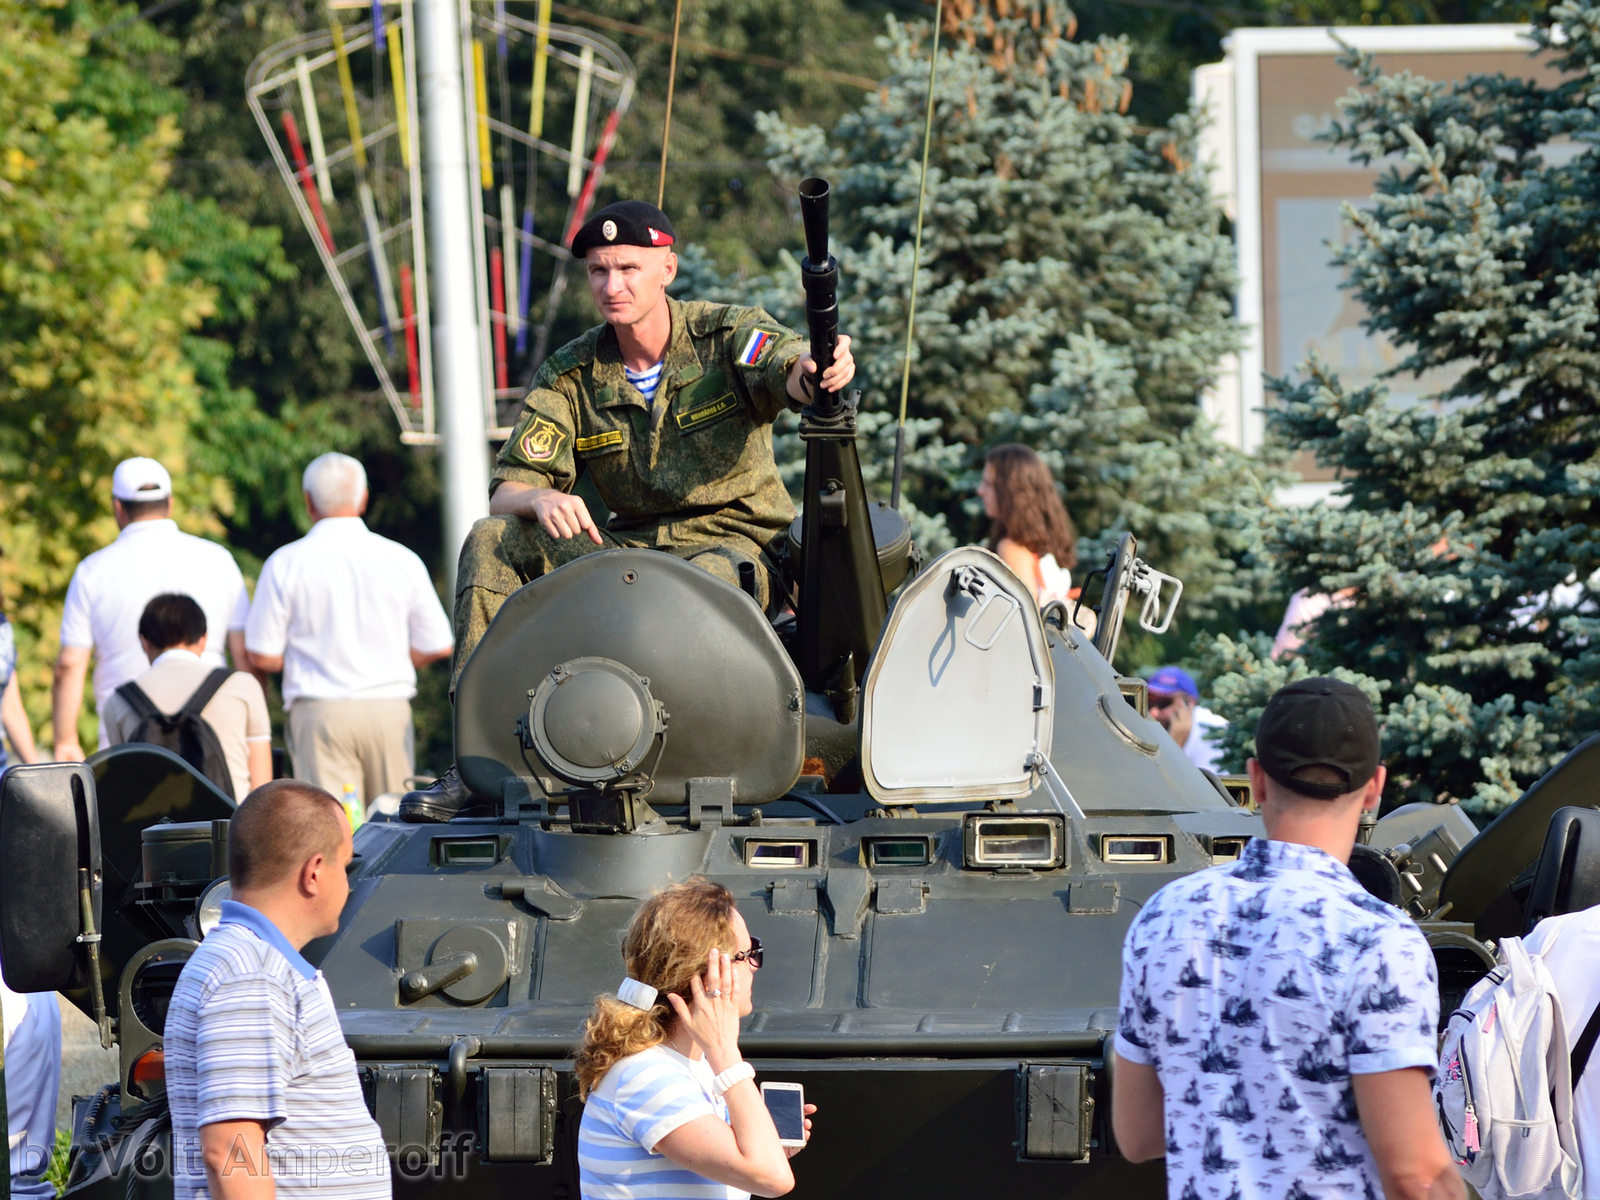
{"points": [[111, 587]]}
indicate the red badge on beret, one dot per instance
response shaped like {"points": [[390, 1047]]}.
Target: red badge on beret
{"points": [[657, 238]]}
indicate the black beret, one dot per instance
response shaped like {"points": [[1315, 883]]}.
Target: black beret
{"points": [[625, 223]]}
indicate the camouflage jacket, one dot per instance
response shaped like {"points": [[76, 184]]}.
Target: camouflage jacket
{"points": [[694, 467]]}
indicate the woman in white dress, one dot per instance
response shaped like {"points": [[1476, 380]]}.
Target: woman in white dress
{"points": [[672, 1110], [1031, 532]]}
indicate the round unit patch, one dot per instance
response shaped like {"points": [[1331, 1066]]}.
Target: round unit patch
{"points": [[609, 229]]}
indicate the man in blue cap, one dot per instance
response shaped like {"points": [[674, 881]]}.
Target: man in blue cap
{"points": [[1175, 702]]}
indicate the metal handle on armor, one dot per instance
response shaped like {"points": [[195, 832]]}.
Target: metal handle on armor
{"points": [[983, 589], [1148, 581]]}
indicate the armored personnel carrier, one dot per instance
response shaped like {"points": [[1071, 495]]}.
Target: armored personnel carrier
{"points": [[939, 818]]}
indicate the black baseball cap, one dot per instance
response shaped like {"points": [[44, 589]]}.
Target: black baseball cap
{"points": [[1318, 722], [625, 223]]}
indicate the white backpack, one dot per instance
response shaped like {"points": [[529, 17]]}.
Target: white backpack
{"points": [[1504, 1088]]}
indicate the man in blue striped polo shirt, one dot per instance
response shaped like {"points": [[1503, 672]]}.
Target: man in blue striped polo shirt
{"points": [[263, 1089]]}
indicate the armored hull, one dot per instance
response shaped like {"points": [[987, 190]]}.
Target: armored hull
{"points": [[941, 975]]}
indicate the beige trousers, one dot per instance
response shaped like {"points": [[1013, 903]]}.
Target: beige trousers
{"points": [[368, 743]]}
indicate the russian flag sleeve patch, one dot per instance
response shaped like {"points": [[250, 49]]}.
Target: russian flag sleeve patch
{"points": [[760, 341]]}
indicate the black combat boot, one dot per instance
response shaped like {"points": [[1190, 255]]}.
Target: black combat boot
{"points": [[438, 802]]}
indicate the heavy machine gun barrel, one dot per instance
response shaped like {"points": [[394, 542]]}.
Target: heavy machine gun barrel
{"points": [[819, 273], [842, 603]]}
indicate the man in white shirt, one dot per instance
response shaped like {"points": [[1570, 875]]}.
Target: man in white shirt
{"points": [[1175, 703], [111, 587], [348, 617], [1569, 944]]}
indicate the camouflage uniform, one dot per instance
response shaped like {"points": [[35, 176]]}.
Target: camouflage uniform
{"points": [[692, 475]]}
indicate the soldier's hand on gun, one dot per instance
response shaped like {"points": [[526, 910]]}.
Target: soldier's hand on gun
{"points": [[563, 515], [834, 379]]}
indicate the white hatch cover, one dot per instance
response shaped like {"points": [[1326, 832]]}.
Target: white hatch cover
{"points": [[957, 700]]}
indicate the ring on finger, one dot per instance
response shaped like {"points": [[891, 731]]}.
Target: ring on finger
{"points": [[714, 993]]}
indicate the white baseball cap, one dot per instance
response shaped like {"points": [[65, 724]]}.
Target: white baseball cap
{"points": [[141, 479]]}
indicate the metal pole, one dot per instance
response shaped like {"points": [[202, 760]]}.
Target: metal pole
{"points": [[458, 375]]}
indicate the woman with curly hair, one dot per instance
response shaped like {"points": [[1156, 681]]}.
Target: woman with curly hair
{"points": [[672, 1109], [1031, 531]]}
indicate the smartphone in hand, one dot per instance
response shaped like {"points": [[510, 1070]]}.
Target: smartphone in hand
{"points": [[786, 1102]]}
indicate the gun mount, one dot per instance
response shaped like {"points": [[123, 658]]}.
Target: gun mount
{"points": [[842, 596]]}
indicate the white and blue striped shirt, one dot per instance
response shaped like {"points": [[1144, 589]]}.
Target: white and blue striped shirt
{"points": [[641, 1099], [645, 381], [252, 1034]]}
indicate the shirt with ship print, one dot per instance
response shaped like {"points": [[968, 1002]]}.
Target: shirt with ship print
{"points": [[1256, 990]]}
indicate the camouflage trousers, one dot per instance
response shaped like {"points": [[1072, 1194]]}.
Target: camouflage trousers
{"points": [[501, 554]]}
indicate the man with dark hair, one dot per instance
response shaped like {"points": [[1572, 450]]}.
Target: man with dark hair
{"points": [[1279, 1024], [111, 587], [154, 706], [668, 407], [264, 1093]]}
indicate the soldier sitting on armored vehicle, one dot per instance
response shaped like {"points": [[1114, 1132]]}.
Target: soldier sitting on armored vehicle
{"points": [[669, 406]]}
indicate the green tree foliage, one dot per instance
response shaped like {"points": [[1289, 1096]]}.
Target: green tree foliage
{"points": [[1074, 293], [1469, 544], [92, 327]]}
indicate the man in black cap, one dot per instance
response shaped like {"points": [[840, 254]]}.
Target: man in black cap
{"points": [[1279, 1024], [669, 407]]}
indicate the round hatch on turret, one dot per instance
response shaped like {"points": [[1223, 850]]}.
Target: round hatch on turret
{"points": [[593, 720]]}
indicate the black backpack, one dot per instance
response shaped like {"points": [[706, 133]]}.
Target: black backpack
{"points": [[186, 733]]}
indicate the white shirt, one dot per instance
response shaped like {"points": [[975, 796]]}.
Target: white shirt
{"points": [[1202, 751], [1570, 947], [1055, 581], [345, 608], [111, 587]]}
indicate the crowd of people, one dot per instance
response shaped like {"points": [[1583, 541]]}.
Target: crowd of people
{"points": [[1278, 1025], [346, 616]]}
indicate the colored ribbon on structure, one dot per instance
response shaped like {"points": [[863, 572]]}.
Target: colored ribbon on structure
{"points": [[581, 212], [580, 120], [380, 265], [377, 24], [408, 312], [319, 153], [497, 315], [303, 173], [347, 85], [480, 90], [397, 76], [541, 52]]}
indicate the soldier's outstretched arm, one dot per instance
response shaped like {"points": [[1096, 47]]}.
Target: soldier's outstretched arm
{"points": [[834, 379], [562, 514]]}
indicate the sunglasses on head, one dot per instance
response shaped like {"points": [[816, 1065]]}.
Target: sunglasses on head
{"points": [[752, 955]]}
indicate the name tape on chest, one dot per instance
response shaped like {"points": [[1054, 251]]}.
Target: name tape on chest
{"points": [[600, 441], [759, 343], [697, 418], [542, 441]]}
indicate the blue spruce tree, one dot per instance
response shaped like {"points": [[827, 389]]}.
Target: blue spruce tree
{"points": [[1468, 550], [1075, 290]]}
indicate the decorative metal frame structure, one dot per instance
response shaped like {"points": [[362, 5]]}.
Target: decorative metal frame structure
{"points": [[300, 79]]}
